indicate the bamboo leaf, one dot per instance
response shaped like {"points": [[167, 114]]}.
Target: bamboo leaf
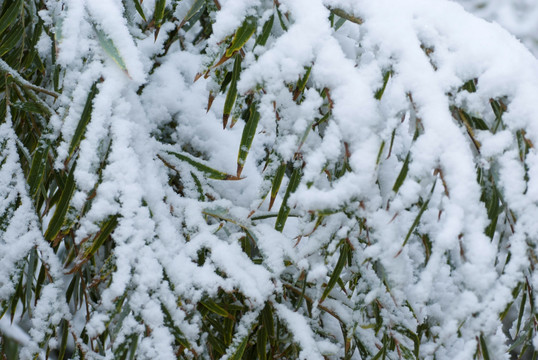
{"points": [[37, 169], [242, 35], [419, 215], [10, 15], [63, 343], [12, 38], [106, 229], [84, 120], [380, 152], [216, 344], [139, 9], [485, 352], [232, 92], [176, 332], [266, 31], [403, 174], [261, 343], [342, 259], [379, 93], [301, 84], [32, 264], [284, 208], [110, 48], [58, 218], [192, 11], [277, 181], [247, 137], [240, 350], [158, 15], [267, 317], [208, 171], [215, 308]]}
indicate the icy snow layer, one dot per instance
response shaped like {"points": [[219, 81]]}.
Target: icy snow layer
{"points": [[408, 205]]}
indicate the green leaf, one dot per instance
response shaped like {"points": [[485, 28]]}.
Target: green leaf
{"points": [[63, 343], [84, 120], [403, 174], [208, 171], [106, 229], [419, 215], [295, 179], [242, 35], [261, 343], [247, 137], [12, 38], [215, 308], [342, 259], [10, 15], [37, 169], [301, 84], [32, 264], [217, 344], [266, 31], [176, 332], [138, 8], [277, 181], [158, 15], [379, 93], [232, 92], [192, 11], [380, 153], [110, 48], [240, 350], [485, 352], [267, 317], [58, 218]]}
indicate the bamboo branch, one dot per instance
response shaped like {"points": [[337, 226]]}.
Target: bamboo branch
{"points": [[345, 15]]}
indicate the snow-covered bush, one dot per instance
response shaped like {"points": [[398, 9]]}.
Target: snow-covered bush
{"points": [[373, 194]]}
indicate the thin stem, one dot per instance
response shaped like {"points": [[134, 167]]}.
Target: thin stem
{"points": [[345, 15]]}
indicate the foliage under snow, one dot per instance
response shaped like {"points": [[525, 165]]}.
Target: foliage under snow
{"points": [[373, 192]]}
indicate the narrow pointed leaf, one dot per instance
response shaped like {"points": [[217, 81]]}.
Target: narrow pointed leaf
{"points": [[13, 36], [232, 91], [63, 343], [261, 343], [10, 15], [379, 93], [158, 15], [110, 48], [215, 308], [84, 120], [99, 240], [249, 131], [266, 31], [37, 170], [139, 9], [208, 171], [485, 352], [176, 332], [58, 218], [284, 208], [277, 181], [403, 174], [342, 259], [242, 35], [240, 350], [192, 11]]}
